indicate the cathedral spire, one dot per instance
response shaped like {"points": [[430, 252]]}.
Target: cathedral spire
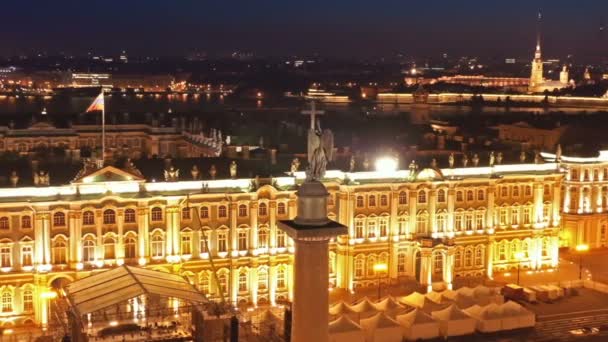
{"points": [[538, 34]]}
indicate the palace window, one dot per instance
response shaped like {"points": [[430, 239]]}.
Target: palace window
{"points": [[204, 283], [26, 222], [470, 196], [281, 210], [59, 219], [359, 267], [502, 251], [204, 241], [281, 283], [4, 223], [109, 248], [402, 221], [27, 255], [468, 258], [221, 212], [479, 216], [262, 279], [130, 216], [88, 218], [437, 263], [360, 202], [401, 262], [58, 252], [468, 221], [186, 213], [88, 250], [243, 240], [502, 220], [441, 222], [109, 217], [371, 261], [528, 191], [383, 200], [586, 175], [527, 215], [204, 212], [458, 259], [28, 300], [280, 238], [402, 198], [515, 216], [421, 196], [359, 228], [243, 281], [5, 256], [130, 247], [7, 302], [421, 223], [157, 214], [504, 191], [459, 196], [263, 238], [371, 201], [157, 245], [223, 283], [262, 209], [481, 195], [383, 227], [479, 256], [371, 228], [441, 196], [186, 244], [242, 210], [515, 191], [222, 241]]}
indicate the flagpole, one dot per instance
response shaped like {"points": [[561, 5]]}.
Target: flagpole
{"points": [[103, 129]]}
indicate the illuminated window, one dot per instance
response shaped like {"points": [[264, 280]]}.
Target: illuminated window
{"points": [[527, 215], [437, 263], [502, 251], [88, 218], [5, 256], [262, 279], [186, 244], [204, 212], [4, 222], [371, 228], [468, 258], [109, 248], [26, 222], [204, 241], [281, 209], [242, 210], [421, 196], [262, 209], [157, 245], [157, 214], [515, 191], [280, 238], [441, 222], [186, 213], [223, 283], [281, 283], [243, 240], [130, 247], [372, 201], [441, 196], [403, 222], [458, 224], [359, 267], [222, 241], [129, 216], [459, 196], [243, 281], [263, 238], [58, 252], [28, 300], [204, 282], [7, 302], [27, 254], [421, 223], [528, 191], [504, 191], [59, 219], [222, 213], [468, 221], [481, 195], [515, 216], [479, 256], [402, 198], [470, 196], [458, 259], [502, 220], [359, 229], [383, 200], [383, 227], [371, 261], [360, 202], [109, 217], [479, 218], [401, 262], [88, 250]]}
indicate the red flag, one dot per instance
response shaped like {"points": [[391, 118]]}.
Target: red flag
{"points": [[98, 104]]}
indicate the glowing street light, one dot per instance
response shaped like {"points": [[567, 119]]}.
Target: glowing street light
{"points": [[386, 164], [380, 268], [581, 249], [519, 256]]}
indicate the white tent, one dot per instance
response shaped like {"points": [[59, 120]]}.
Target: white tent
{"points": [[388, 304], [345, 330], [435, 297], [449, 294], [414, 299], [466, 291], [381, 328], [454, 322], [418, 325], [430, 306], [515, 316], [364, 308], [488, 317], [342, 308]]}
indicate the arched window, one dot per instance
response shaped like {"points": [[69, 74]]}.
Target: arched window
{"points": [[186, 244], [7, 302], [574, 174], [5, 256], [262, 279], [402, 198], [109, 248], [58, 252], [109, 216], [371, 201], [360, 202], [242, 240], [468, 258], [88, 250], [157, 214], [281, 208], [481, 195], [458, 259], [88, 218], [479, 256], [383, 200], [371, 228], [130, 247], [130, 216], [281, 278], [263, 238], [470, 196], [186, 213], [383, 226], [459, 196], [515, 191], [421, 223], [438, 263], [359, 229], [441, 196], [441, 222], [222, 241], [26, 222], [280, 238], [401, 262], [242, 210], [221, 212], [528, 190], [371, 261], [222, 283], [59, 219], [262, 209], [4, 223], [359, 267], [204, 282], [157, 249], [28, 300], [204, 212], [421, 196], [243, 281]]}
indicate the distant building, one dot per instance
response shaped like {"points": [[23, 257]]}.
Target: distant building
{"points": [[526, 134]]}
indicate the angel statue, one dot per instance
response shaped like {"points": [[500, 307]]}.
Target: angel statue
{"points": [[321, 143]]}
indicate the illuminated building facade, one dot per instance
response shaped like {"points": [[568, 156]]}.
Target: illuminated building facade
{"points": [[433, 225]]}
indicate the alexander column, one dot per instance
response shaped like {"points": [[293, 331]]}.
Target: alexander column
{"points": [[311, 231]]}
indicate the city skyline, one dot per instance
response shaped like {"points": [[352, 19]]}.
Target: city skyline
{"points": [[336, 29]]}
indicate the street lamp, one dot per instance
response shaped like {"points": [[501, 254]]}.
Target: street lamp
{"points": [[519, 256], [581, 249], [379, 268]]}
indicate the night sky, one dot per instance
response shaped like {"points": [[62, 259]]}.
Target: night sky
{"points": [[282, 27]]}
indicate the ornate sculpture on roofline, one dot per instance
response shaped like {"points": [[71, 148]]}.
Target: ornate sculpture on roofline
{"points": [[465, 160], [212, 171], [41, 178], [352, 163], [558, 153], [233, 169], [499, 158], [475, 160], [171, 174], [295, 165], [451, 160], [492, 158], [14, 178], [196, 174], [522, 157]]}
